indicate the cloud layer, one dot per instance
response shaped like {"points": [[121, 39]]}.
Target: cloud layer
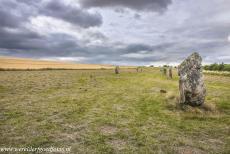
{"points": [[128, 32], [69, 13], [139, 5]]}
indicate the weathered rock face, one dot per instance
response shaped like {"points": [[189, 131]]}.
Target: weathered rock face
{"points": [[191, 83]]}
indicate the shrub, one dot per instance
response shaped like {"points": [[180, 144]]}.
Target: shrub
{"points": [[217, 67]]}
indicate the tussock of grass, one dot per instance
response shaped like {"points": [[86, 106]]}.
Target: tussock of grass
{"points": [[204, 108]]}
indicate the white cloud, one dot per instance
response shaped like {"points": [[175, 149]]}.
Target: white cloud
{"points": [[71, 59], [45, 25], [136, 55]]}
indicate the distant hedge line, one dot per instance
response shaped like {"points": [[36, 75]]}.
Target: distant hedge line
{"points": [[217, 67]]}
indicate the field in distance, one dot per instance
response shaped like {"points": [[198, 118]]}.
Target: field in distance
{"points": [[23, 64]]}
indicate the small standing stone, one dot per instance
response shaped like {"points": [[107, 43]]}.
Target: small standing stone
{"points": [[170, 73], [139, 69], [191, 83], [161, 69], [117, 70], [164, 71]]}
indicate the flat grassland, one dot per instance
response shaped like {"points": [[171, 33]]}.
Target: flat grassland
{"points": [[97, 111]]}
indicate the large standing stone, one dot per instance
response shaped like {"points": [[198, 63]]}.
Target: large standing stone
{"points": [[191, 83]]}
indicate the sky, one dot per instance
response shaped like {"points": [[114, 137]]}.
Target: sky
{"points": [[119, 32]]}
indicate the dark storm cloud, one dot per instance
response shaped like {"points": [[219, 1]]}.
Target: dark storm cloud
{"points": [[31, 45], [154, 37], [146, 5], [14, 12], [29, 2], [20, 39], [74, 15], [11, 15], [8, 20], [111, 55], [27, 43], [113, 52], [133, 48], [16, 39]]}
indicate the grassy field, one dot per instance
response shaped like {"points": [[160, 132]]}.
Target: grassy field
{"points": [[97, 111]]}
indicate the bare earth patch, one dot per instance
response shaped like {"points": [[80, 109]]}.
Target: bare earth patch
{"points": [[69, 137], [108, 130], [188, 150], [117, 144]]}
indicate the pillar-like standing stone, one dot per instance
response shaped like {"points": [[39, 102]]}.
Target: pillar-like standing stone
{"points": [[117, 70], [191, 83], [170, 73], [164, 71]]}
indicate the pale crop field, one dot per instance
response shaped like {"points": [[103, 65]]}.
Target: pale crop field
{"points": [[24, 64], [98, 111]]}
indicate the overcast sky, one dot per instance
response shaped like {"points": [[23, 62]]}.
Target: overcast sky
{"points": [[122, 32]]}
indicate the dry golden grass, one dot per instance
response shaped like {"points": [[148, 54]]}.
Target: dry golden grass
{"points": [[20, 63]]}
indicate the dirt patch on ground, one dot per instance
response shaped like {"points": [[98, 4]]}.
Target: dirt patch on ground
{"points": [[118, 107], [188, 150], [117, 144], [69, 137], [108, 130]]}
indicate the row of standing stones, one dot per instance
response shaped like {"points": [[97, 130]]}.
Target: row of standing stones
{"points": [[167, 72], [191, 83], [117, 69]]}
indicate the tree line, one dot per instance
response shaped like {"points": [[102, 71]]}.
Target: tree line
{"points": [[217, 67]]}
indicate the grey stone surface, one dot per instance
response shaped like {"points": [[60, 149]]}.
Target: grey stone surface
{"points": [[191, 83]]}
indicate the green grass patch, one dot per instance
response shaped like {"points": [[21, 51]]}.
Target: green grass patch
{"points": [[97, 111]]}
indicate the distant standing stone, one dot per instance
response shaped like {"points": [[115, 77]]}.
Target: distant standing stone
{"points": [[117, 70], [164, 71], [170, 72], [139, 69], [191, 83]]}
